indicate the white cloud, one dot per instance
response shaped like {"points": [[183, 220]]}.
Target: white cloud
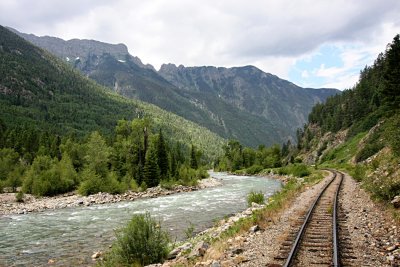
{"points": [[304, 74], [271, 34]]}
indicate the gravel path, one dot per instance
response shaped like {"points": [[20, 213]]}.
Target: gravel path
{"points": [[374, 234]]}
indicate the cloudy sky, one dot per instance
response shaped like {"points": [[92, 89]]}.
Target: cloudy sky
{"points": [[318, 43]]}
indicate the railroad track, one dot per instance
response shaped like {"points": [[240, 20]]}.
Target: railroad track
{"points": [[320, 236]]}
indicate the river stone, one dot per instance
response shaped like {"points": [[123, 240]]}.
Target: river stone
{"points": [[254, 229], [199, 250], [237, 251], [174, 253], [96, 255], [396, 202]]}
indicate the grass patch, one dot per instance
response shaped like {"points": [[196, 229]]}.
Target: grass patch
{"points": [[255, 197], [299, 170], [344, 152]]}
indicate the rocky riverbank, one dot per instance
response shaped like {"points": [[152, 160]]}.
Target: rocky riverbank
{"points": [[8, 204]]}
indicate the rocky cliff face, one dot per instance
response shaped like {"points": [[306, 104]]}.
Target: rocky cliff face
{"points": [[81, 52]]}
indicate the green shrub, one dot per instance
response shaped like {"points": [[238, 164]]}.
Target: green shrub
{"points": [[202, 173], [359, 172], [94, 183], [48, 177], [133, 185], [373, 144], [143, 186], [382, 187], [19, 197], [254, 169], [189, 232], [392, 133], [168, 184], [256, 197], [140, 243], [299, 170]]}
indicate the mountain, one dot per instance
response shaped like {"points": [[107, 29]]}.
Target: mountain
{"points": [[251, 90], [38, 89], [240, 103]]}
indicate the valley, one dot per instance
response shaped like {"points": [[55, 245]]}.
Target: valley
{"points": [[108, 161]]}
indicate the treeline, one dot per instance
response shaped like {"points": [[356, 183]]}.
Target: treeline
{"points": [[236, 157], [376, 95], [136, 156]]}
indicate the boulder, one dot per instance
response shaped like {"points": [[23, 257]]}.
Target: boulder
{"points": [[254, 229], [96, 255], [237, 251], [215, 264], [174, 253], [199, 250], [396, 202]]}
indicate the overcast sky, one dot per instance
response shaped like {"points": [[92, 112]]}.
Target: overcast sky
{"points": [[311, 43]]}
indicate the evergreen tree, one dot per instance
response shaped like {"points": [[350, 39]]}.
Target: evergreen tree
{"points": [[151, 171], [3, 130], [391, 88], [162, 156], [193, 158]]}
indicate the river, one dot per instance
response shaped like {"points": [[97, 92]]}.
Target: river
{"points": [[70, 236]]}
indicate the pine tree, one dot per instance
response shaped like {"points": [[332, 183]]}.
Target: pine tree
{"points": [[391, 89], [3, 130], [193, 158], [151, 171], [162, 155]]}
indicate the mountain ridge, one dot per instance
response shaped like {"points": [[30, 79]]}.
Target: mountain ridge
{"points": [[238, 115], [258, 85]]}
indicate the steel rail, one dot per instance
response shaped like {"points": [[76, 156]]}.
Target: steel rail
{"points": [[296, 244], [336, 251]]}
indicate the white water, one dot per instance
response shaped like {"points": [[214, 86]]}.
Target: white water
{"points": [[70, 236]]}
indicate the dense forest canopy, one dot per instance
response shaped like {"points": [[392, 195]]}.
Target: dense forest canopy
{"points": [[46, 164]]}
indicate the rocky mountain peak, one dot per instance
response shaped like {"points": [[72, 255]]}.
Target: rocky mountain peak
{"points": [[81, 50]]}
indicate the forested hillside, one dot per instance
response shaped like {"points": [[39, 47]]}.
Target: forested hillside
{"points": [[60, 131], [39, 92], [360, 129]]}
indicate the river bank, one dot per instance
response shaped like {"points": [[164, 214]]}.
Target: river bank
{"points": [[71, 236], [8, 204]]}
